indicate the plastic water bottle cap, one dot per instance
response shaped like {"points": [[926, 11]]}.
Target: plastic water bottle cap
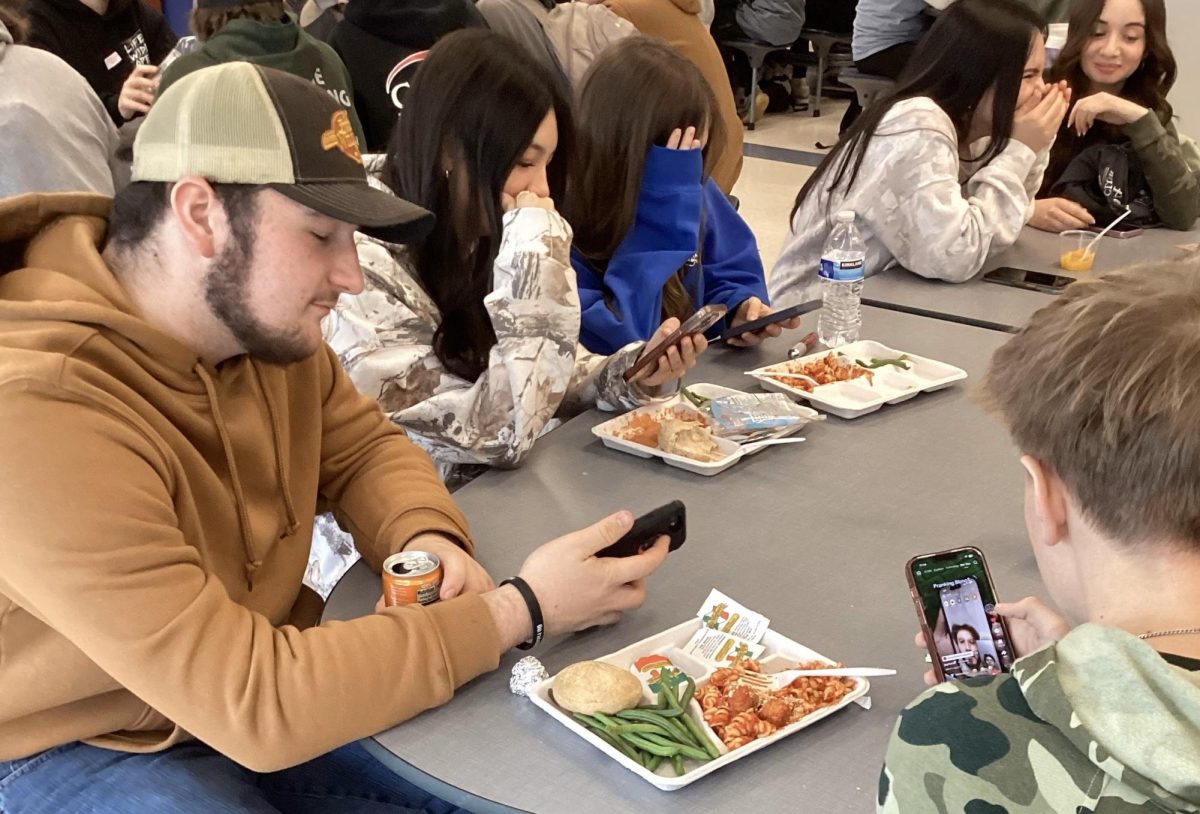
{"points": [[846, 216]]}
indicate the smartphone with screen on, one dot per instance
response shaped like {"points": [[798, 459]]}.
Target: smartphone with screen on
{"points": [[670, 519], [1032, 280], [697, 323], [955, 602]]}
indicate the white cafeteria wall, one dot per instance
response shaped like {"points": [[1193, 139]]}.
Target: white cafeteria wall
{"points": [[1183, 28]]}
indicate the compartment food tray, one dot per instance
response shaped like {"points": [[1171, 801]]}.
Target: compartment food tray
{"points": [[782, 653], [857, 397]]}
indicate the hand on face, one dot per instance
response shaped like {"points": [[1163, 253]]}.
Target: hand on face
{"points": [[684, 140], [525, 198], [673, 364], [1038, 120]]}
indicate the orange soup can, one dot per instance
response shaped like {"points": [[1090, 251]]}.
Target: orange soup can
{"points": [[411, 577]]}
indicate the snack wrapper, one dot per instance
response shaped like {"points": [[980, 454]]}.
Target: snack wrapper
{"points": [[756, 411]]}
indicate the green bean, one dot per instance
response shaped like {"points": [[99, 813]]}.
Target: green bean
{"points": [[610, 739], [688, 693], [641, 729], [654, 762], [705, 741], [677, 765], [684, 749], [650, 746], [685, 734]]}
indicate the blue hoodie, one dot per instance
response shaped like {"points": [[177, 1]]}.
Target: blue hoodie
{"points": [[624, 303]]}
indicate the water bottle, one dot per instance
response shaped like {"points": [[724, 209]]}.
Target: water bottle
{"points": [[843, 266]]}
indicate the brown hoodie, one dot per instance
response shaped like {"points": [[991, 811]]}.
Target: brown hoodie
{"points": [[677, 22], [155, 520]]}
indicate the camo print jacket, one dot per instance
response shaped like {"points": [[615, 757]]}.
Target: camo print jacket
{"points": [[1099, 722], [536, 371]]}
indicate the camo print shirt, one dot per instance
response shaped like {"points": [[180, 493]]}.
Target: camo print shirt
{"points": [[1099, 722], [536, 371]]}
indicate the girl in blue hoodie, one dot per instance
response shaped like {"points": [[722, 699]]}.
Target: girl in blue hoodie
{"points": [[654, 236]]}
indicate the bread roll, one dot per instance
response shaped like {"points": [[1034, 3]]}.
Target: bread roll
{"points": [[593, 686]]}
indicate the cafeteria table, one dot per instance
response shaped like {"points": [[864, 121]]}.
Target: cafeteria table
{"points": [[1004, 308], [814, 535]]}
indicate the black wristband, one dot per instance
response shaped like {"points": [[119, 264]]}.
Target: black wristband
{"points": [[535, 611]]}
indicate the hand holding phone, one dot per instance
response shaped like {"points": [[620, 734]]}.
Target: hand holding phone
{"points": [[754, 326], [956, 605], [669, 520], [697, 323]]}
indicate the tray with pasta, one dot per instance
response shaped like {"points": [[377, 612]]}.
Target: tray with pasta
{"points": [[857, 378], [705, 702]]}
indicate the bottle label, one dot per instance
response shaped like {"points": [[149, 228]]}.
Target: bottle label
{"points": [[842, 270]]}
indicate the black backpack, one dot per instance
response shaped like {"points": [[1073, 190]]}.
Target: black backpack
{"points": [[1106, 178]]}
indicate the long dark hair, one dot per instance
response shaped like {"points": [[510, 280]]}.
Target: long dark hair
{"points": [[974, 46], [1148, 86], [634, 95], [476, 102]]}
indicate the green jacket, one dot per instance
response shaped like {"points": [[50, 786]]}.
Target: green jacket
{"points": [[1097, 724], [284, 46]]}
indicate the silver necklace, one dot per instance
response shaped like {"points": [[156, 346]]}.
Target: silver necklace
{"points": [[1181, 631]]}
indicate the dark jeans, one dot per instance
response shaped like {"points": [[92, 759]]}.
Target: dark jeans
{"points": [[889, 62], [192, 777]]}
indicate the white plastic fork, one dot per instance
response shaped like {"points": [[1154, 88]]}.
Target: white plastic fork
{"points": [[777, 681]]}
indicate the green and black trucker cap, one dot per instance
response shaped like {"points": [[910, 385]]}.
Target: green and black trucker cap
{"points": [[240, 123]]}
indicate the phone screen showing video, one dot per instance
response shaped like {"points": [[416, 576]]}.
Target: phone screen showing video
{"points": [[959, 606]]}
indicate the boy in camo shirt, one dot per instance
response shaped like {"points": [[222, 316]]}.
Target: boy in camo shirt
{"points": [[1101, 394]]}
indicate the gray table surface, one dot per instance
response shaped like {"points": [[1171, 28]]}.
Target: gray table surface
{"points": [[1004, 307], [814, 535]]}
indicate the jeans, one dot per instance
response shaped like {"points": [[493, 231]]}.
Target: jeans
{"points": [[192, 777]]}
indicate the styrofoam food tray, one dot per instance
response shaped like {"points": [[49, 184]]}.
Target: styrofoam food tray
{"points": [[733, 451], [782, 653], [856, 397]]}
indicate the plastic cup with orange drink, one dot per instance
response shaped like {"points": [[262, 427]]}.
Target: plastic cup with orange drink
{"points": [[1074, 252]]}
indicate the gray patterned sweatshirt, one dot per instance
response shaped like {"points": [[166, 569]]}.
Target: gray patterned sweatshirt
{"points": [[919, 204], [536, 371]]}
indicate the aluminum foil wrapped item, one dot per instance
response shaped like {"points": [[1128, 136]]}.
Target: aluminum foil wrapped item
{"points": [[526, 673]]}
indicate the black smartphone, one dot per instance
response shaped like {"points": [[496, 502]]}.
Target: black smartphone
{"points": [[670, 520], [697, 323], [770, 319], [1032, 280], [1121, 230], [956, 604]]}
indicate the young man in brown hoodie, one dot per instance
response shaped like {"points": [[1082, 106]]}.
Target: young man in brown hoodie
{"points": [[171, 421]]}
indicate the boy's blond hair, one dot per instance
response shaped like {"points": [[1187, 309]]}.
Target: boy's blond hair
{"points": [[1103, 387], [205, 22]]}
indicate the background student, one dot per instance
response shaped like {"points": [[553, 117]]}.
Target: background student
{"points": [[942, 174], [262, 32], [116, 45], [654, 236], [1104, 716], [1120, 69], [55, 133]]}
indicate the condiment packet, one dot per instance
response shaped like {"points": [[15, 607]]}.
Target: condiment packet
{"points": [[722, 648], [720, 613], [756, 411]]}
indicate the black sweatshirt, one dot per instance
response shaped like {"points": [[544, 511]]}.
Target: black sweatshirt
{"points": [[103, 48], [382, 42]]}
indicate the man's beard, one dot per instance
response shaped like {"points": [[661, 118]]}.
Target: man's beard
{"points": [[227, 293]]}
